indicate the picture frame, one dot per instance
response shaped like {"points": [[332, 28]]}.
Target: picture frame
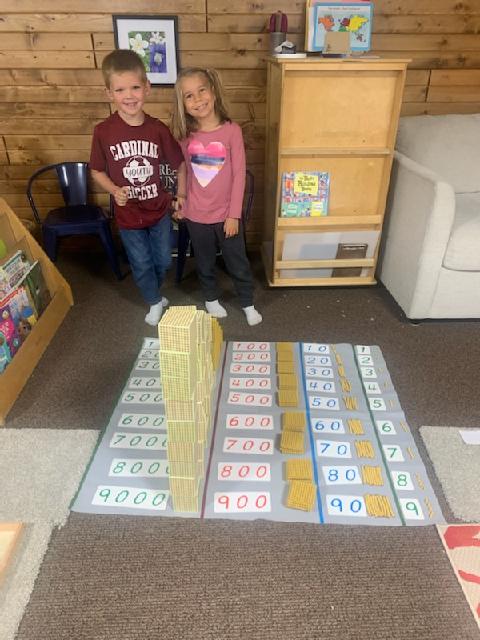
{"points": [[155, 39], [354, 18]]}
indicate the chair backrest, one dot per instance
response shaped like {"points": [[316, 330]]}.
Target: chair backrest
{"points": [[248, 197], [72, 177]]}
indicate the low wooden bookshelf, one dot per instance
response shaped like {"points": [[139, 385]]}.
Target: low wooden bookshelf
{"points": [[14, 377], [338, 116]]}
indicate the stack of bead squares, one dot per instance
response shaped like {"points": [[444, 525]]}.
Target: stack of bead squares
{"points": [[187, 382]]}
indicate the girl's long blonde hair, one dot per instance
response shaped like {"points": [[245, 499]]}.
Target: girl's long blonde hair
{"points": [[182, 123]]}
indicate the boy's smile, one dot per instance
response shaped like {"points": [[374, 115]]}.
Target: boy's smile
{"points": [[128, 91]]}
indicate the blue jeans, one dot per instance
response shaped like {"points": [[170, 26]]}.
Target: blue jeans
{"points": [[150, 256]]}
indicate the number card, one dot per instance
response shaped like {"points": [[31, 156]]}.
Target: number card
{"points": [[148, 354], [236, 472], [402, 480], [151, 343], [338, 505], [385, 427], [250, 399], [368, 372], [318, 385], [145, 441], [411, 509], [341, 475], [139, 468], [238, 502], [377, 404], [251, 346], [365, 361], [372, 387], [148, 365], [361, 348], [142, 397], [327, 425], [333, 449], [143, 420], [257, 446], [319, 372], [250, 383], [315, 347], [251, 369], [246, 421], [251, 357], [393, 453], [133, 497], [144, 383], [323, 403], [317, 361]]}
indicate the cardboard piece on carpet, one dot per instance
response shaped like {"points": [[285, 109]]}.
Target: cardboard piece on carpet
{"points": [[20, 575], [462, 544], [458, 480], [40, 472]]}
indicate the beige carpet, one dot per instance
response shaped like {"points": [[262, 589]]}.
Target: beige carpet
{"points": [[457, 466]]}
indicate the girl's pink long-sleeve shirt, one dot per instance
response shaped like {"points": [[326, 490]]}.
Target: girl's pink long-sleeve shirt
{"points": [[215, 163]]}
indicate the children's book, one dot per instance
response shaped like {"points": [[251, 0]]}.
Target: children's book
{"points": [[354, 18], [11, 271], [349, 251], [34, 280], [304, 194], [8, 329]]}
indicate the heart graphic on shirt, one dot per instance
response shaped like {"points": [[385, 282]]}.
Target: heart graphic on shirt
{"points": [[207, 162]]}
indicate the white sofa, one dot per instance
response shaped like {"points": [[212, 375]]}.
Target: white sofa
{"points": [[430, 257]]}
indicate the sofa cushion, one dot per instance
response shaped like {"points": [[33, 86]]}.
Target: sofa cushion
{"points": [[446, 144], [462, 252]]}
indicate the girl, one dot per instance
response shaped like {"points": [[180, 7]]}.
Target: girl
{"points": [[211, 183]]}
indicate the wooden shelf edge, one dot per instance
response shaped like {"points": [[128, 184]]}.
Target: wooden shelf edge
{"points": [[357, 152], [323, 282], [328, 221], [322, 264]]}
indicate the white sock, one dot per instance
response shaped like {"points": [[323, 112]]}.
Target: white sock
{"points": [[253, 317], [155, 313], [215, 309]]}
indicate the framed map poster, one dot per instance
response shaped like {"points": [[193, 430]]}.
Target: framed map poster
{"points": [[354, 18]]}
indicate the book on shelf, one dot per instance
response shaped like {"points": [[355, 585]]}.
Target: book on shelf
{"points": [[37, 289], [304, 194], [349, 251], [12, 269]]}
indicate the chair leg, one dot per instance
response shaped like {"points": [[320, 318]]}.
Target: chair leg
{"points": [[50, 243], [107, 241], [182, 246]]}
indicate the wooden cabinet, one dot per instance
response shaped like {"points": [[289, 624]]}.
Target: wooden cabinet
{"points": [[25, 360], [338, 116]]}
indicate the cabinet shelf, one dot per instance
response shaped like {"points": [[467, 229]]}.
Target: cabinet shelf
{"points": [[322, 152], [339, 117], [328, 221]]}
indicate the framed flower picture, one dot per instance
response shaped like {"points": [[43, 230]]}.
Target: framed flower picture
{"points": [[154, 38]]}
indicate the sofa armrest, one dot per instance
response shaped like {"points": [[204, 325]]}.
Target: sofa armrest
{"points": [[420, 214]]}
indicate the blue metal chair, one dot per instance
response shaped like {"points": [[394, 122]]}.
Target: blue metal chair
{"points": [[77, 217], [184, 245]]}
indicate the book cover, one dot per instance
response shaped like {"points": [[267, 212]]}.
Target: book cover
{"points": [[22, 311], [8, 329], [349, 252], [35, 282], [355, 18], [11, 271], [304, 194], [5, 356]]}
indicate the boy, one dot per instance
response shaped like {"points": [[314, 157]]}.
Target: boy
{"points": [[128, 149]]}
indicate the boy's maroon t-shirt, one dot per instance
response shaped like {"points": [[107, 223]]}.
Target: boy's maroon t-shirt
{"points": [[132, 157]]}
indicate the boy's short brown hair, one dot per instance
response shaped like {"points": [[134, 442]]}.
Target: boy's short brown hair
{"points": [[121, 60]]}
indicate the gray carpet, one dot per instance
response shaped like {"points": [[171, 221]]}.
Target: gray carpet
{"points": [[110, 577]]}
